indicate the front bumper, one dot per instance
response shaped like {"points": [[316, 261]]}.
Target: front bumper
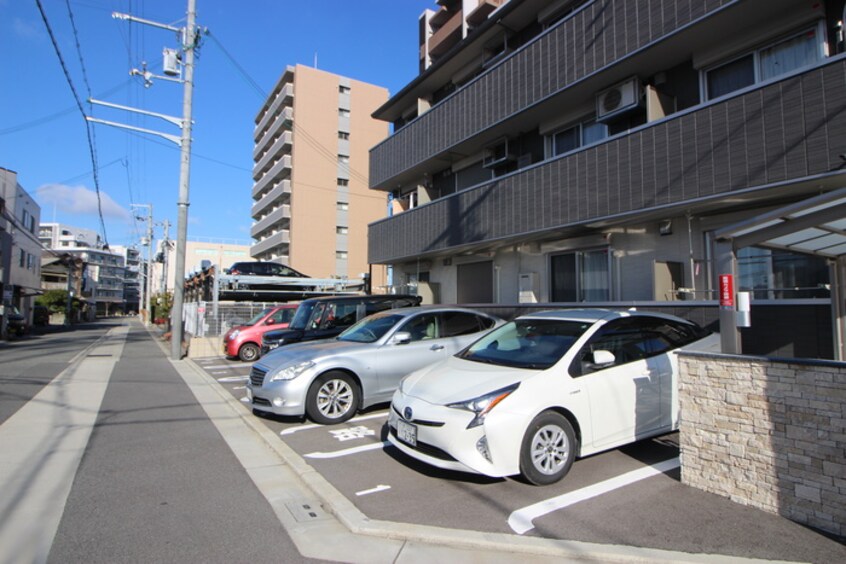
{"points": [[284, 397], [443, 439]]}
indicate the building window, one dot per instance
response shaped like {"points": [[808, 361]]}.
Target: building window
{"points": [[344, 159], [343, 182], [795, 52], [22, 260], [341, 255], [343, 113], [573, 137], [343, 206], [581, 276], [343, 135], [344, 89], [342, 230]]}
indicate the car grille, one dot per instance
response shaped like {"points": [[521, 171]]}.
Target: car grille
{"points": [[261, 401], [423, 422], [257, 376], [424, 448]]}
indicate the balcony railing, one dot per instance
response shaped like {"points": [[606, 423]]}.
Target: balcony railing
{"points": [[275, 240], [779, 133], [592, 38], [284, 187], [274, 217]]}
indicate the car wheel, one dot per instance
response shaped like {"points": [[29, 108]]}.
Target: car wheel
{"points": [[332, 398], [249, 352], [548, 449]]}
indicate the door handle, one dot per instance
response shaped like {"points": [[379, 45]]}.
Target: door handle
{"points": [[436, 348]]}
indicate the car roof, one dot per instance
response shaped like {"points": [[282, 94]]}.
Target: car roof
{"points": [[369, 297], [593, 315], [407, 311]]}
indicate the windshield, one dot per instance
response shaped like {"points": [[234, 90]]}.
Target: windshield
{"points": [[526, 343], [258, 317], [370, 329]]}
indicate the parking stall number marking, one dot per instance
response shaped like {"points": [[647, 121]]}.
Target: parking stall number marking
{"points": [[521, 521], [352, 433]]}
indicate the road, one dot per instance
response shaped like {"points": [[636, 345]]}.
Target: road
{"points": [[114, 453]]}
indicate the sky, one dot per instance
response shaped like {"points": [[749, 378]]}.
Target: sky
{"points": [[248, 44]]}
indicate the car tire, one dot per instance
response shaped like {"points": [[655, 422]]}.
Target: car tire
{"points": [[332, 398], [548, 449], [249, 352]]}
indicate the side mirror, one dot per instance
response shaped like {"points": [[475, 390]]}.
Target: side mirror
{"points": [[603, 358], [401, 338]]}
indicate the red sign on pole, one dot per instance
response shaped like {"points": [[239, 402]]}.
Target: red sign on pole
{"points": [[726, 290]]}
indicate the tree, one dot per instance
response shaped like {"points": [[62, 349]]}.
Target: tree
{"points": [[56, 300]]}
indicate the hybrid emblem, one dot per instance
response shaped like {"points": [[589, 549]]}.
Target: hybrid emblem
{"points": [[407, 413]]}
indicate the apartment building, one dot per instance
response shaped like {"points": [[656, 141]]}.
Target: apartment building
{"points": [[590, 150], [104, 273], [311, 199], [20, 251]]}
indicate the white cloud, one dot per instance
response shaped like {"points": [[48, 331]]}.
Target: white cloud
{"points": [[79, 200], [25, 30]]}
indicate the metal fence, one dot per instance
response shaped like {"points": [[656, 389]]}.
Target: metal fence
{"points": [[206, 319]]}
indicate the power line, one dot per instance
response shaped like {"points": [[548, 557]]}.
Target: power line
{"points": [[91, 150]]}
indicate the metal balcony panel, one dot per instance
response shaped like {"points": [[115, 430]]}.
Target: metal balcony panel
{"points": [[283, 144], [280, 239], [272, 174], [759, 144], [285, 116], [279, 192], [593, 38], [273, 218], [284, 97]]}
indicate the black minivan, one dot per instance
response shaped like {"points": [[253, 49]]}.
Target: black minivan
{"points": [[328, 316]]}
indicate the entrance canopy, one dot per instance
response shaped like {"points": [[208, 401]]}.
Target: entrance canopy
{"points": [[815, 226]]}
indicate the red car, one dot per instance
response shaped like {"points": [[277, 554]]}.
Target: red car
{"points": [[244, 341]]}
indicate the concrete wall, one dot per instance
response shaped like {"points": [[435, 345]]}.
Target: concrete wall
{"points": [[767, 433]]}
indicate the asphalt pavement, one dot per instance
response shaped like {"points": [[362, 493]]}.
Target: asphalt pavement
{"points": [[114, 453]]}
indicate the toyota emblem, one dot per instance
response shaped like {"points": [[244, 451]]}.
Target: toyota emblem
{"points": [[407, 413]]}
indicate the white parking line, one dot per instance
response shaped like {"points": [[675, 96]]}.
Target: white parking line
{"points": [[234, 378], [347, 451], [292, 430], [216, 366], [377, 489], [520, 521]]}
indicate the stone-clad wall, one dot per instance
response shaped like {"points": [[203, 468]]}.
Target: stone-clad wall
{"points": [[767, 433]]}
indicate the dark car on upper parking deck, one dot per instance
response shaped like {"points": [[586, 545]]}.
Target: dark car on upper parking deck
{"points": [[329, 316], [260, 268]]}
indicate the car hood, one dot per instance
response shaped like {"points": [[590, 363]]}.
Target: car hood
{"points": [[310, 350], [456, 379]]}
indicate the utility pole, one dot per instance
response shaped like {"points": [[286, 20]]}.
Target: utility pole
{"points": [[188, 45], [165, 250], [189, 40], [147, 282]]}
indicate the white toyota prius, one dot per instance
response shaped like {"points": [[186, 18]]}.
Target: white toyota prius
{"points": [[534, 394]]}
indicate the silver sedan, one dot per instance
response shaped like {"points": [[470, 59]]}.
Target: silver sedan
{"points": [[331, 380]]}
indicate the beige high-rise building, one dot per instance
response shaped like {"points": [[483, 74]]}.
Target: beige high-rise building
{"points": [[311, 199]]}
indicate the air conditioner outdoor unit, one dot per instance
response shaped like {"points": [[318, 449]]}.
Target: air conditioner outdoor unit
{"points": [[497, 154], [619, 99], [528, 287]]}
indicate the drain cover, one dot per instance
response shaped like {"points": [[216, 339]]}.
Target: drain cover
{"points": [[304, 511]]}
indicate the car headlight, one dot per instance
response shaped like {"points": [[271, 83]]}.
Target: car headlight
{"points": [[482, 405], [291, 372], [234, 334]]}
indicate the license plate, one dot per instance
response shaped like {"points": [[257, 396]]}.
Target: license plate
{"points": [[406, 432]]}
